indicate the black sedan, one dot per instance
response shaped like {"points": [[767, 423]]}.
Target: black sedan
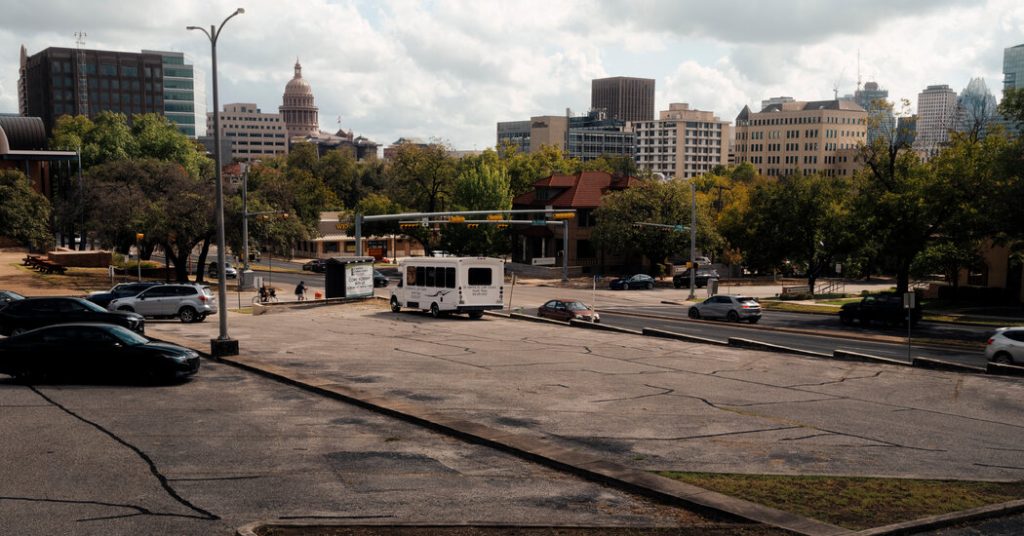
{"points": [[316, 266], [120, 290], [379, 279], [32, 313], [633, 281], [87, 350]]}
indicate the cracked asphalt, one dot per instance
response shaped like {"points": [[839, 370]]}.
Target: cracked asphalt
{"points": [[654, 404], [230, 448]]}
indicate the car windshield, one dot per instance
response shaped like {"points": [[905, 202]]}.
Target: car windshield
{"points": [[127, 336], [576, 306], [11, 295], [746, 300], [91, 306]]}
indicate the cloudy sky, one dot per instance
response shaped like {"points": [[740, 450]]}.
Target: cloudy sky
{"points": [[452, 69]]}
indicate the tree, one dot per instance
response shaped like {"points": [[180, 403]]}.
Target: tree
{"points": [[1012, 105], [660, 202], [421, 177], [24, 213], [483, 186]]}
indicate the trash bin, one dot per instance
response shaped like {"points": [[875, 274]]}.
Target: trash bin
{"points": [[712, 286], [349, 277]]}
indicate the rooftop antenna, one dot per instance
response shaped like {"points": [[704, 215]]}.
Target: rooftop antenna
{"points": [[83, 83], [835, 86], [858, 69]]}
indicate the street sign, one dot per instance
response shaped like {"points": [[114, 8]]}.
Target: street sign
{"points": [[543, 261], [908, 300], [678, 228], [539, 222]]}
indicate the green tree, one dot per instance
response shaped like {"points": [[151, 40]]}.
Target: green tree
{"points": [[1012, 105], [24, 213], [660, 202], [421, 177], [484, 186]]}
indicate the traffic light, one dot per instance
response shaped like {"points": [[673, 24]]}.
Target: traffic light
{"points": [[502, 225], [456, 219], [409, 225], [563, 215], [472, 225]]}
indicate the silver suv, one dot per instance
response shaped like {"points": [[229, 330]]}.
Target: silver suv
{"points": [[189, 302]]}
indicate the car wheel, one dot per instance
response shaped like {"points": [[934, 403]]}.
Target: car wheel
{"points": [[394, 305], [435, 311], [625, 286], [187, 315], [126, 308], [476, 315], [1003, 358], [694, 313], [650, 286], [732, 316]]}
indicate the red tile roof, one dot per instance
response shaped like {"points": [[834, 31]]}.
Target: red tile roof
{"points": [[583, 190]]}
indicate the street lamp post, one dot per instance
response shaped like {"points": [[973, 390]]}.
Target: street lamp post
{"points": [[693, 240], [222, 345]]}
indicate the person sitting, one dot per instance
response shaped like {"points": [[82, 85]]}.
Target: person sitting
{"points": [[264, 295]]}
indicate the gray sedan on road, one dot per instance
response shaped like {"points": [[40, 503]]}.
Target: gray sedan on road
{"points": [[729, 307]]}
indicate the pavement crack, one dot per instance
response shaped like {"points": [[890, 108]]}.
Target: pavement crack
{"points": [[404, 351], [139, 510], [812, 436], [664, 391], [999, 466], [840, 380], [203, 514]]}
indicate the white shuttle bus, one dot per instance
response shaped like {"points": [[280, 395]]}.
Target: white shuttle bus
{"points": [[441, 285]]}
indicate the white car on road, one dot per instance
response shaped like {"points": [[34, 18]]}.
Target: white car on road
{"points": [[1006, 346], [729, 307]]}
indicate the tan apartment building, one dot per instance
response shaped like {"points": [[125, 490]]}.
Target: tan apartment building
{"points": [[682, 142], [802, 137], [253, 134]]}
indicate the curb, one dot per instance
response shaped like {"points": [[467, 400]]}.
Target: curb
{"points": [[601, 327], [950, 366], [250, 529], [768, 347], [944, 520], [653, 332], [521, 316], [1004, 370], [844, 355]]}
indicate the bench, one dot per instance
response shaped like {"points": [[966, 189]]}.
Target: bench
{"points": [[49, 267], [30, 260]]}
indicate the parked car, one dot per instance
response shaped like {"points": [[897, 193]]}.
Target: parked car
{"points": [[229, 271], [700, 279], [315, 265], [880, 308], [120, 290], [633, 281], [565, 309], [1006, 346], [188, 301], [31, 313], [379, 279], [7, 296], [730, 307], [93, 350]]}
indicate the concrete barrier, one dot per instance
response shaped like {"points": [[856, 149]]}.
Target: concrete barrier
{"points": [[652, 332], [951, 366], [1005, 370], [591, 325], [521, 316], [768, 347], [843, 355]]}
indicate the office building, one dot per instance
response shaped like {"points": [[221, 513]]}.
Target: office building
{"points": [[184, 91], [1013, 67], [775, 100], [802, 137], [936, 116], [976, 108], [253, 134], [881, 121], [586, 137], [516, 134], [623, 98], [682, 142], [67, 81]]}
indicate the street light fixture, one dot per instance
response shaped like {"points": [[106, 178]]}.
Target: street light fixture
{"points": [[222, 345]]}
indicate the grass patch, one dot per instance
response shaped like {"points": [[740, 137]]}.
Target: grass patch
{"points": [[841, 301], [853, 502], [772, 305]]}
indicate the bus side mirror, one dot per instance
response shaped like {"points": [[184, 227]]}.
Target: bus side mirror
{"points": [[400, 283]]}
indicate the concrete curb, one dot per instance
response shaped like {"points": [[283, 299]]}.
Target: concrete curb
{"points": [[945, 520], [601, 327], [768, 347], [843, 355], [949, 366], [250, 529], [1005, 370], [521, 316], [653, 332]]}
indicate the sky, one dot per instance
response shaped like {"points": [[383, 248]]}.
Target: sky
{"points": [[450, 70]]}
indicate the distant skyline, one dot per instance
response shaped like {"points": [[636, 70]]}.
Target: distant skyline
{"points": [[452, 70]]}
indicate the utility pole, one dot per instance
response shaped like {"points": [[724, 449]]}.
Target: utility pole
{"points": [[693, 240]]}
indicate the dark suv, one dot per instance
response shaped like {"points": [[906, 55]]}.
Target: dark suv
{"points": [[682, 279], [120, 290], [881, 308], [31, 313]]}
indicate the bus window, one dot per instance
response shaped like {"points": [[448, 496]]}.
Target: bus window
{"points": [[410, 276], [431, 280], [479, 276], [449, 277], [420, 276]]}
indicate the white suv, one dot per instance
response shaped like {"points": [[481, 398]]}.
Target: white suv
{"points": [[189, 302], [1006, 345]]}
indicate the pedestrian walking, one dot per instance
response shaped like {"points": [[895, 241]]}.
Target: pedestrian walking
{"points": [[300, 291]]}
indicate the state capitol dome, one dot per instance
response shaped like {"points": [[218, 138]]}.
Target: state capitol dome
{"points": [[298, 110]]}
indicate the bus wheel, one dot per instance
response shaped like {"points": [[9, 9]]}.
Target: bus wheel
{"points": [[394, 305], [476, 315], [434, 311]]}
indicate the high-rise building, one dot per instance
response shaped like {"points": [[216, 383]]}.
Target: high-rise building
{"points": [[881, 121], [298, 110], [67, 81], [1013, 67], [623, 98], [802, 137], [516, 133], [586, 137], [254, 135], [936, 115], [775, 100], [184, 93], [976, 107], [682, 142]]}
